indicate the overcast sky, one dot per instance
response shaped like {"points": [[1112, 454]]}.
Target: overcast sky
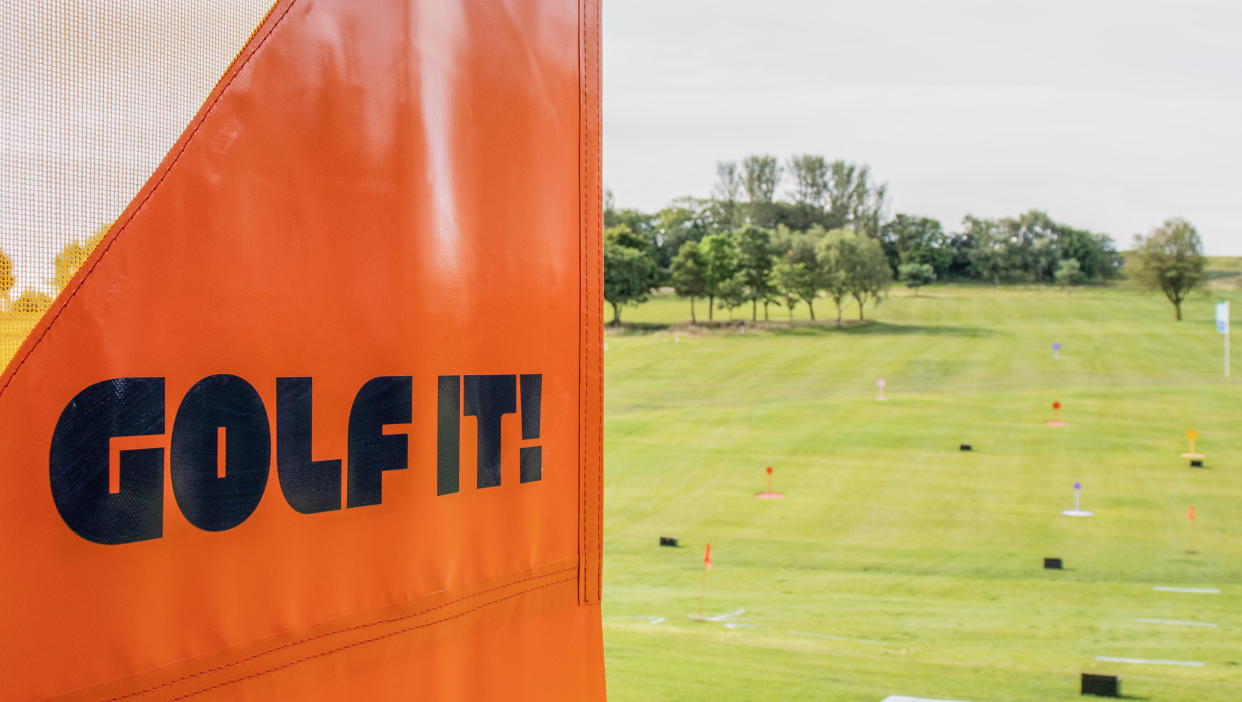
{"points": [[1112, 115]]}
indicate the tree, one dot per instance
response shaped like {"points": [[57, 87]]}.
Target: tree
{"points": [[915, 275], [787, 277], [808, 275], [627, 276], [67, 262], [810, 190], [1170, 260], [1067, 270], [754, 264], [684, 220], [834, 253], [854, 200], [761, 174], [911, 239], [732, 293], [867, 274], [32, 302], [689, 274], [719, 266], [727, 193], [986, 249], [7, 279]]}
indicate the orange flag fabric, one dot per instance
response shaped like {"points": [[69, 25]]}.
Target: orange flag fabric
{"points": [[320, 418]]}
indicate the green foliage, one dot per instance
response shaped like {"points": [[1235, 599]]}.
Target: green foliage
{"points": [[912, 239], [986, 249], [833, 252], [915, 275], [754, 264], [866, 272], [628, 274], [684, 220], [787, 279], [839, 194], [719, 267], [807, 274], [31, 302], [1170, 260], [689, 275], [1067, 271], [732, 293]]}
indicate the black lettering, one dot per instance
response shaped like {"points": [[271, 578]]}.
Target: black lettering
{"points": [[309, 486], [78, 462], [210, 502], [383, 400], [531, 457], [448, 435], [488, 398]]}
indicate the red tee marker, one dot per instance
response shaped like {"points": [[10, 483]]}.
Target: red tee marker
{"points": [[1056, 416], [769, 495]]}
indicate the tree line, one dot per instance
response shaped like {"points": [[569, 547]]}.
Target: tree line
{"points": [[828, 234], [64, 266]]}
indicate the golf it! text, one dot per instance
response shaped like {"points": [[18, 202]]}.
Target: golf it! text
{"points": [[220, 448]]}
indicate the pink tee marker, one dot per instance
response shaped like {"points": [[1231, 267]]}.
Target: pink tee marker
{"points": [[880, 384], [1056, 416], [769, 495]]}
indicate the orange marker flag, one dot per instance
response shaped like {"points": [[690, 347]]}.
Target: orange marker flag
{"points": [[707, 565], [707, 557], [1191, 516]]}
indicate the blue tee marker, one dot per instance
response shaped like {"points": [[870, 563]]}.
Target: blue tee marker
{"points": [[1076, 512], [1056, 350]]}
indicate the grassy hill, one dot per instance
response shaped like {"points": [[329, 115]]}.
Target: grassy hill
{"points": [[898, 564]]}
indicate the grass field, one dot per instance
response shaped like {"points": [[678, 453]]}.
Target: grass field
{"points": [[898, 564]]}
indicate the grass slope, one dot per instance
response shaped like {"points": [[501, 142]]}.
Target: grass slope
{"points": [[897, 564]]}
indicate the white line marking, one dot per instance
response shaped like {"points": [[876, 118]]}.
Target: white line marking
{"points": [[1110, 659], [655, 620], [1175, 622], [722, 617], [838, 638], [899, 698], [1195, 590]]}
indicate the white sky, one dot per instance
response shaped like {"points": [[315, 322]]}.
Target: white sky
{"points": [[1112, 115]]}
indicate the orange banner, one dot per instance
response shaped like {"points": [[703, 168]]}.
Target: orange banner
{"points": [[320, 418]]}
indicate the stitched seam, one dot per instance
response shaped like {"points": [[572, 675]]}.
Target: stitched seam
{"points": [[598, 468], [584, 309], [364, 642], [134, 213], [309, 639]]}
